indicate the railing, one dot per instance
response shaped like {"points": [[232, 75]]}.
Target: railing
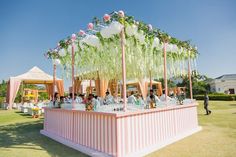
{"points": [[121, 134]]}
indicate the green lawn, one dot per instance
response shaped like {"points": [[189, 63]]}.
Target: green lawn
{"points": [[19, 136]]}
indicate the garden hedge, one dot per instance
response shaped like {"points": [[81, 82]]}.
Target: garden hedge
{"points": [[222, 97]]}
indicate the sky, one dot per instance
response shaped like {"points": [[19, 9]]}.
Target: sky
{"points": [[28, 28]]}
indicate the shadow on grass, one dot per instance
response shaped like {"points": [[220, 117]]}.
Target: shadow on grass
{"points": [[232, 105], [23, 114], [27, 136], [201, 114]]}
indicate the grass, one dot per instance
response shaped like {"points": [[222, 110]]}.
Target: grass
{"points": [[19, 136], [217, 139]]}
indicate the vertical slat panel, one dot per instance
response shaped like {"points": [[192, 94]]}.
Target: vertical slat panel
{"points": [[120, 136], [114, 135]]}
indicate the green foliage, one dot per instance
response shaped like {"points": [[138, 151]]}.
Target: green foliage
{"points": [[170, 83], [200, 83], [43, 96], [142, 47], [3, 89], [222, 97], [3, 92]]}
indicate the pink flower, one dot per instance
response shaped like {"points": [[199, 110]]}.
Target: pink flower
{"points": [[90, 26], [73, 37], [106, 17], [121, 13], [81, 32]]}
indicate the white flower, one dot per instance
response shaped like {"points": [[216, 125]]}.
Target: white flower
{"points": [[175, 48], [62, 52], [162, 46], [69, 49], [91, 40], [169, 47], [56, 61], [105, 32], [81, 44], [141, 37], [131, 30], [114, 28], [155, 42], [76, 48]]}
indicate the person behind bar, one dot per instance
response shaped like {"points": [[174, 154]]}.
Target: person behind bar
{"points": [[206, 103], [108, 99], [131, 98], [56, 99], [96, 103], [163, 96], [79, 98], [139, 100], [152, 96]]}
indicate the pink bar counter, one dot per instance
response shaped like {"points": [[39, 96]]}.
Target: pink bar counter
{"points": [[121, 134]]}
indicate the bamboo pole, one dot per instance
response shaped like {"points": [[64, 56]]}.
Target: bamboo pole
{"points": [[150, 79], [54, 81], [99, 84], [90, 86], [165, 73], [122, 35], [22, 92], [72, 80], [190, 77]]}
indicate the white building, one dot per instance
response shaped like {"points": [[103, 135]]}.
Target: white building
{"points": [[224, 84]]}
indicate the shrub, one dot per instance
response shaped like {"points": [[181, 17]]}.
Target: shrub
{"points": [[1, 101], [222, 97]]}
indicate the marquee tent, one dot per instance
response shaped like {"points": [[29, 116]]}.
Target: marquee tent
{"points": [[33, 76]]}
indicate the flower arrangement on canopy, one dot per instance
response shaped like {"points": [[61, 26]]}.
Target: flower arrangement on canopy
{"points": [[98, 50]]}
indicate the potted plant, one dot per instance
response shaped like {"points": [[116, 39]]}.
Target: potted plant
{"points": [[35, 112]]}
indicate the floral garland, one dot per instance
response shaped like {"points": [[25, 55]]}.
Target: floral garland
{"points": [[98, 49]]}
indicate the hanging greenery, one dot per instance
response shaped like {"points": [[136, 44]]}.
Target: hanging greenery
{"points": [[98, 49]]}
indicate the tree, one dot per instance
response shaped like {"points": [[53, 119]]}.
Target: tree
{"points": [[200, 83], [170, 83], [3, 89]]}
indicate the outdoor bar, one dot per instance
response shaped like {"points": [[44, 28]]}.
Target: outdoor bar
{"points": [[121, 134], [122, 129]]}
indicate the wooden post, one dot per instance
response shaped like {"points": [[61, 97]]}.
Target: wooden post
{"points": [[72, 80], [22, 92], [150, 79], [122, 35], [54, 81], [90, 86], [99, 85], [189, 76], [165, 73]]}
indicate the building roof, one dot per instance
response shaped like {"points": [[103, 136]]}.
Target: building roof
{"points": [[227, 77]]}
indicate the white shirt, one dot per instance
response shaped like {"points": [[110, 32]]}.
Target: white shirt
{"points": [[155, 97], [131, 99], [108, 99], [141, 102], [96, 103], [78, 100], [163, 96]]}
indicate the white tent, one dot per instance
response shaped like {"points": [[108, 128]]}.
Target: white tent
{"points": [[33, 76]]}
